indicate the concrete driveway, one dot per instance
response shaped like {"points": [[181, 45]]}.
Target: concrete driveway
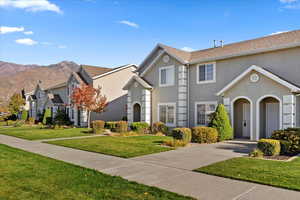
{"points": [[199, 155]]}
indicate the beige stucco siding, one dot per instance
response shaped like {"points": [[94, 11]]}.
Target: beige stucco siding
{"points": [[167, 94], [112, 85], [284, 63]]}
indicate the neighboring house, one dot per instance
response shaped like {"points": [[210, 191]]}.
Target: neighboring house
{"points": [[257, 80], [53, 98], [111, 81]]}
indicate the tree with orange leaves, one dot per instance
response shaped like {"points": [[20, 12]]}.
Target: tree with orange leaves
{"points": [[90, 99]]}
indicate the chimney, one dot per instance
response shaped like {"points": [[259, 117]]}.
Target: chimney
{"points": [[215, 43], [222, 43]]}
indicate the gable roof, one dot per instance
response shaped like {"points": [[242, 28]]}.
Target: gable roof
{"points": [[55, 98], [57, 86], [139, 80], [248, 47], [95, 71], [291, 86]]}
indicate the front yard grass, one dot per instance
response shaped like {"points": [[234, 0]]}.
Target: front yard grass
{"points": [[125, 147], [274, 173], [36, 133], [25, 175]]}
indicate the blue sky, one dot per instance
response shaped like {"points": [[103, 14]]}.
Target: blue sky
{"points": [[111, 33]]}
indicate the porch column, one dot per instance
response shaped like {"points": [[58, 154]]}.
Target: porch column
{"points": [[182, 96], [129, 108], [146, 106], [288, 111]]}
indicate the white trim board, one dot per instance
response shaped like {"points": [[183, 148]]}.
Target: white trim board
{"points": [[268, 74]]}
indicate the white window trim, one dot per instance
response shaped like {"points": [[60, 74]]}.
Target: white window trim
{"points": [[214, 73], [167, 67], [167, 104], [195, 111]]}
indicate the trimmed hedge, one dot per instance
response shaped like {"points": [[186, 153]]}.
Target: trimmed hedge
{"points": [[110, 125], [201, 134], [98, 126], [269, 147], [140, 127], [256, 153], [291, 135], [184, 134], [19, 123], [285, 147], [159, 127], [220, 121], [121, 127], [24, 115]]}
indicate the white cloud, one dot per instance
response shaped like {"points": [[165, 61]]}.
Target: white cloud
{"points": [[26, 41], [28, 32], [278, 32], [31, 5], [7, 29], [61, 46], [288, 1], [129, 23], [187, 49]]}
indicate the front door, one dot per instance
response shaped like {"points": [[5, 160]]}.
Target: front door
{"points": [[246, 120], [272, 118]]}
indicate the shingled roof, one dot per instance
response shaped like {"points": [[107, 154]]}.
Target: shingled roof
{"points": [[258, 45], [95, 71]]}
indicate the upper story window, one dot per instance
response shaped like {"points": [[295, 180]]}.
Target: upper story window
{"points": [[206, 73], [166, 76]]}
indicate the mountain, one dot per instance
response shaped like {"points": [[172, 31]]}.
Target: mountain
{"points": [[15, 77]]}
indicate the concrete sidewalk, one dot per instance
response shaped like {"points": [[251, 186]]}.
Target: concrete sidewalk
{"points": [[175, 178]]}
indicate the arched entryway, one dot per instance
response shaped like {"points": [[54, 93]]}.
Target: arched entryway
{"points": [[242, 117], [136, 112], [269, 115]]}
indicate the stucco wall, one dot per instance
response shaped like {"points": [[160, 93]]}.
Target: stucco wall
{"points": [[62, 92]]}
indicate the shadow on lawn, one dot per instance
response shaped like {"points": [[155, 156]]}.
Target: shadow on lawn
{"points": [[238, 146]]}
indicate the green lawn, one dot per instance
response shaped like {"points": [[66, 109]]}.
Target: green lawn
{"points": [[275, 173], [25, 175], [125, 147], [36, 133]]}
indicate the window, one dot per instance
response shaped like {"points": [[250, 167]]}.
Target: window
{"points": [[166, 76], [203, 111], [206, 73], [167, 113]]}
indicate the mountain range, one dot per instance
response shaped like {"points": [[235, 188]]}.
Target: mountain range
{"points": [[15, 77]]}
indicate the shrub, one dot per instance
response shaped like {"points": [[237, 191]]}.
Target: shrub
{"points": [[10, 123], [159, 127], [175, 143], [19, 123], [184, 134], [285, 147], [256, 153], [220, 121], [202, 134], [61, 118], [111, 125], [31, 120], [291, 135], [269, 147], [24, 115], [121, 127], [47, 119], [98, 126], [140, 127], [129, 133]]}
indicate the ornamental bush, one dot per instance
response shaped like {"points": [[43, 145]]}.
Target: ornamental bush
{"points": [[159, 128], [292, 135], [24, 115], [285, 147], [220, 121], [140, 127], [269, 147], [121, 127], [201, 134], [98, 126], [47, 119], [31, 120], [111, 126], [184, 134], [256, 153], [61, 118]]}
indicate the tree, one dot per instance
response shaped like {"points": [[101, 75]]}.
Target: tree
{"points": [[16, 103], [90, 99], [47, 117], [220, 121]]}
